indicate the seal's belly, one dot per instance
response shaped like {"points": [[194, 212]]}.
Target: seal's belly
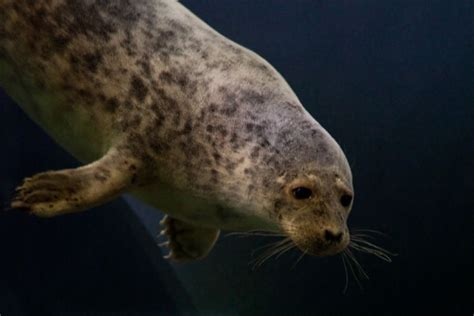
{"points": [[201, 211], [75, 129]]}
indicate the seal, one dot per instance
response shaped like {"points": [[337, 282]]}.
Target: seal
{"points": [[156, 103]]}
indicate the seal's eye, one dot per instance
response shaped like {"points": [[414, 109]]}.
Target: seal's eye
{"points": [[346, 200], [301, 193]]}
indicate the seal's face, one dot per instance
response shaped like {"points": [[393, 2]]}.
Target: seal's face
{"points": [[313, 209]]}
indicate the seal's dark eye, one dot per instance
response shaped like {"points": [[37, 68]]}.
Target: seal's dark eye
{"points": [[302, 193], [346, 200]]}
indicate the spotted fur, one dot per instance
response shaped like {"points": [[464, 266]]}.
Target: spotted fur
{"points": [[213, 124]]}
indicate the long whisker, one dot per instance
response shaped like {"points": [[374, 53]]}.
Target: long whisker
{"points": [[370, 248], [369, 244], [364, 230], [360, 243], [345, 272], [361, 270], [276, 248], [361, 236], [286, 250], [349, 261], [381, 254], [271, 248], [271, 245], [261, 260], [299, 259]]}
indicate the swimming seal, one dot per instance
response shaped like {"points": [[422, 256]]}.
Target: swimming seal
{"points": [[156, 103]]}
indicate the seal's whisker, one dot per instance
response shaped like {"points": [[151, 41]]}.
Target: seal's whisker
{"points": [[364, 230], [361, 236], [378, 253], [276, 248], [360, 243], [271, 245], [299, 259], [283, 248], [349, 261], [345, 272], [368, 247], [292, 245], [361, 270]]}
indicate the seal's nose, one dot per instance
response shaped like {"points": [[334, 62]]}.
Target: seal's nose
{"points": [[331, 236]]}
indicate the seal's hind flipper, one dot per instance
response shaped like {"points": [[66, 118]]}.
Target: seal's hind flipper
{"points": [[187, 242], [52, 193]]}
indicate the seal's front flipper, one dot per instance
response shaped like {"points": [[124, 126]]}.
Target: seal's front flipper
{"points": [[54, 193], [187, 242]]}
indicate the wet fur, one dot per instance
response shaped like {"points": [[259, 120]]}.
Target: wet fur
{"points": [[214, 125]]}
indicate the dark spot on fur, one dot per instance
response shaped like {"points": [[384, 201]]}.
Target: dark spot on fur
{"points": [[92, 60], [233, 138], [60, 42], [315, 132], [255, 153], [214, 176], [138, 88], [212, 108], [166, 77], [251, 97], [216, 156], [230, 166], [187, 127], [102, 97], [131, 123], [264, 143], [144, 63], [222, 130], [112, 104], [248, 171], [249, 127]]}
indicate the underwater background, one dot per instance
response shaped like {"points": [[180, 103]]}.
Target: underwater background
{"points": [[392, 81]]}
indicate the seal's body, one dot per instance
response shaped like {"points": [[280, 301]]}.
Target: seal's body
{"points": [[157, 103]]}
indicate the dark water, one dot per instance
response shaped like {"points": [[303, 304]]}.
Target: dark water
{"points": [[391, 81]]}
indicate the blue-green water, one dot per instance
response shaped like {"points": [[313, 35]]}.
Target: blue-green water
{"points": [[391, 81]]}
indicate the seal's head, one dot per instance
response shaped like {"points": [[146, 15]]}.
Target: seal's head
{"points": [[315, 197]]}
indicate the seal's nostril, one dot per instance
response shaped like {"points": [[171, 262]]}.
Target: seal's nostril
{"points": [[332, 237]]}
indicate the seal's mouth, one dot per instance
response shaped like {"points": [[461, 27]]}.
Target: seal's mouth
{"points": [[317, 237]]}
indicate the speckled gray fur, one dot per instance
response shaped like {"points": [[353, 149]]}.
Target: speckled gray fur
{"points": [[200, 114]]}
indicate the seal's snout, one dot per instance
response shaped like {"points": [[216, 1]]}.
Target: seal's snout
{"points": [[331, 236], [327, 242], [317, 236]]}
